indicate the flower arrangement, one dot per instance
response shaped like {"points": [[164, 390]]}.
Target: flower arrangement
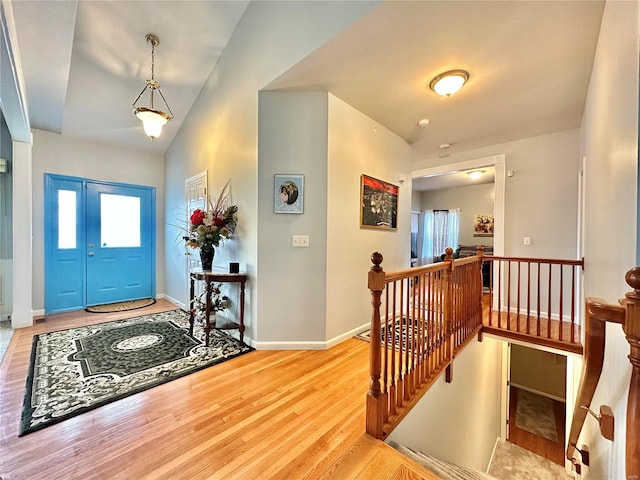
{"points": [[207, 229], [218, 303]]}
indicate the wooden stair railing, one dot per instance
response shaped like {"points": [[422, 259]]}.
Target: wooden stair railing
{"points": [[534, 300], [430, 314], [598, 312]]}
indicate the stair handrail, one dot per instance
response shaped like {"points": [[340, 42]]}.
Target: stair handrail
{"points": [[427, 301], [597, 313]]}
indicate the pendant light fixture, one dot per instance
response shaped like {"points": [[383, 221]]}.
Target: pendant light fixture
{"points": [[152, 119]]}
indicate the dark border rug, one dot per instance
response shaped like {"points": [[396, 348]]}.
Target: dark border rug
{"points": [[402, 331], [121, 306], [76, 370]]}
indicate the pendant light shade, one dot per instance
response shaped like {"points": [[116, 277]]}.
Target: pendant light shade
{"points": [[152, 119]]}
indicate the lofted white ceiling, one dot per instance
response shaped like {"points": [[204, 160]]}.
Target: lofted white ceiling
{"points": [[453, 180], [86, 61], [529, 63]]}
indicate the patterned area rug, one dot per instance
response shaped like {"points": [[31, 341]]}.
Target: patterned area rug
{"points": [[76, 370], [534, 413], [401, 331], [121, 306]]}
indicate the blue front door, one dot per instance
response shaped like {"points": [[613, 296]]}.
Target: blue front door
{"points": [[99, 241], [119, 240]]}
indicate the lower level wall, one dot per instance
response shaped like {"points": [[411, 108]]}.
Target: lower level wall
{"points": [[459, 421]]}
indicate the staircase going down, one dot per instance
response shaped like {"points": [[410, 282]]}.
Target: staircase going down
{"points": [[443, 469]]}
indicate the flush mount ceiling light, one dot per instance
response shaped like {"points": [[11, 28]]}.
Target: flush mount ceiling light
{"points": [[475, 174], [450, 82], [152, 119]]}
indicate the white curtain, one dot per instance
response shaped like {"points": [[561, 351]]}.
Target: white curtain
{"points": [[439, 230]]}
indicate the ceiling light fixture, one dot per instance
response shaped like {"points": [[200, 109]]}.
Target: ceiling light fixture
{"points": [[448, 83], [152, 119], [475, 174]]}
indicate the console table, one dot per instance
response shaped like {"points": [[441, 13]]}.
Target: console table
{"points": [[212, 277]]}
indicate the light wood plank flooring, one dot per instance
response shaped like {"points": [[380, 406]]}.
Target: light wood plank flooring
{"points": [[539, 445], [264, 415]]}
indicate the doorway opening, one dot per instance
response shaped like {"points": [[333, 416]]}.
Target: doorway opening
{"points": [[99, 243], [537, 401]]}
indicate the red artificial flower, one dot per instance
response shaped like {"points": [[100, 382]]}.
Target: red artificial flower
{"points": [[197, 217], [218, 222]]}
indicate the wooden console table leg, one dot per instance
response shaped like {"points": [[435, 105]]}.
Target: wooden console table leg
{"points": [[241, 328], [207, 325], [191, 305]]}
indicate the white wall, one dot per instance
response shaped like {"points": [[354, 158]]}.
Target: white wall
{"points": [[220, 133], [471, 200], [541, 199], [359, 145], [292, 139], [539, 371], [416, 201], [6, 223], [610, 143], [459, 421], [53, 153], [315, 296]]}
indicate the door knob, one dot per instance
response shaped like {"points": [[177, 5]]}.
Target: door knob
{"points": [[91, 254]]}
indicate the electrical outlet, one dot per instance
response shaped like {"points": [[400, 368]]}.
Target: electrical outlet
{"points": [[527, 240], [300, 241]]}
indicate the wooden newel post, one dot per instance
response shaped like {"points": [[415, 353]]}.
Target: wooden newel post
{"points": [[375, 401], [631, 328]]}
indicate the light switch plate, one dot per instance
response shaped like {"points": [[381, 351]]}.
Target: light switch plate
{"points": [[300, 241]]}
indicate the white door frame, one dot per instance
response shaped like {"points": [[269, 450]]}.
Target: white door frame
{"points": [[498, 162]]}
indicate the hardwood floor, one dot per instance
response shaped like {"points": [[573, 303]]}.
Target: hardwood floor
{"points": [[539, 445], [263, 415]]}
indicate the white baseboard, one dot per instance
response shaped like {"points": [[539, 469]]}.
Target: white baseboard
{"points": [[544, 315], [305, 345], [290, 345], [538, 392], [172, 300], [493, 453]]}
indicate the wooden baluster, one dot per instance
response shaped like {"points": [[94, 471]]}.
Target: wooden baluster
{"points": [[449, 341], [573, 304], [560, 301], [528, 298], [549, 305], [431, 315], [423, 330], [538, 303], [518, 302], [499, 306], [375, 411], [393, 391], [631, 328], [509, 295], [385, 356]]}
